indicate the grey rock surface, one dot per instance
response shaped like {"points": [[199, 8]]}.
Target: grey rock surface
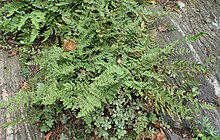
{"points": [[9, 85], [199, 16]]}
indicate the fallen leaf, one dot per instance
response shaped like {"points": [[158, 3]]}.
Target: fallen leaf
{"points": [[159, 136], [83, 72], [96, 137], [69, 45], [12, 52], [119, 59], [48, 135], [162, 28], [24, 85], [158, 125]]}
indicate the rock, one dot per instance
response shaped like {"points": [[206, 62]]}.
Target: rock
{"points": [[199, 16], [9, 85]]}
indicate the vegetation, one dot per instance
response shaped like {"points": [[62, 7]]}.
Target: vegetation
{"points": [[109, 79]]}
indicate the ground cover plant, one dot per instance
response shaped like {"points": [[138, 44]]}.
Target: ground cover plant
{"points": [[100, 73]]}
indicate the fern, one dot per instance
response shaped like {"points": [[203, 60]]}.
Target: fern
{"points": [[114, 58]]}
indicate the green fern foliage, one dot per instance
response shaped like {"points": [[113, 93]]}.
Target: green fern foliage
{"points": [[115, 70]]}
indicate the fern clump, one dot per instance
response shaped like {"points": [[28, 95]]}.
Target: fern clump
{"points": [[115, 77]]}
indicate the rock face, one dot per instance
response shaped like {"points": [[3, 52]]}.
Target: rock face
{"points": [[9, 84], [199, 16]]}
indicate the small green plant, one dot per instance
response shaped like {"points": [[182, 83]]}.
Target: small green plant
{"points": [[208, 132], [120, 117], [208, 127]]}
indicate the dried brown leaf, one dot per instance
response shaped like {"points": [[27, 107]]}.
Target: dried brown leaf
{"points": [[162, 28], [48, 135], [119, 59], [12, 52], [159, 136], [96, 137], [69, 45], [24, 85], [158, 125]]}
